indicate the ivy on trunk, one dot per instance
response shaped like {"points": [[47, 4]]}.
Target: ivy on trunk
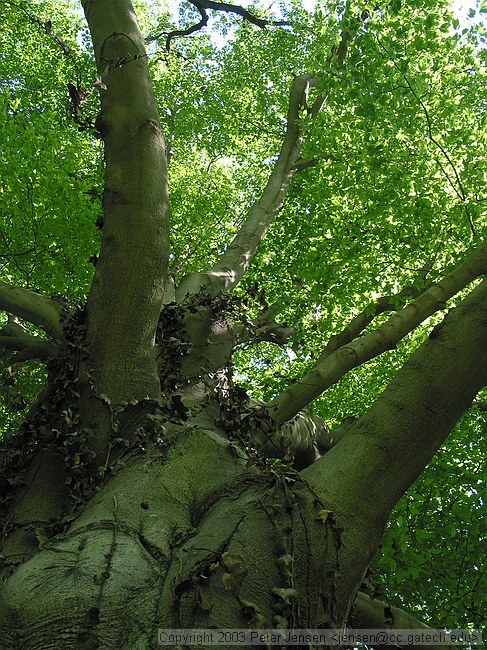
{"points": [[168, 470]]}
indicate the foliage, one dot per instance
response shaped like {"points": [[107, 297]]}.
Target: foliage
{"points": [[430, 551], [398, 187]]}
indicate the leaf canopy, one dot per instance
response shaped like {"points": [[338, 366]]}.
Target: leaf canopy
{"points": [[395, 185]]}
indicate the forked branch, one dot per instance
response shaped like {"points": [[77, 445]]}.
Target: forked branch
{"points": [[203, 5], [228, 271], [231, 266], [357, 325], [329, 370]]}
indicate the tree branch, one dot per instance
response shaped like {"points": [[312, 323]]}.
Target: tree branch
{"points": [[370, 614], [330, 369], [235, 260], [28, 347], [367, 315], [392, 442], [128, 287], [363, 476], [32, 307], [240, 11], [231, 266], [202, 5], [47, 28], [312, 161], [189, 30], [13, 336], [263, 328]]}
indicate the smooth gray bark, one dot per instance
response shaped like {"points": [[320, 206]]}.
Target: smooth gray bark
{"points": [[164, 515], [32, 307], [329, 369], [127, 290]]}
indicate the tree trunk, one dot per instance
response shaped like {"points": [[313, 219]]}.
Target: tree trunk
{"points": [[186, 533], [138, 494], [191, 528]]}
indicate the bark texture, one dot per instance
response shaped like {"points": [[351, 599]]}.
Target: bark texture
{"points": [[170, 542], [127, 291], [189, 527], [138, 495]]}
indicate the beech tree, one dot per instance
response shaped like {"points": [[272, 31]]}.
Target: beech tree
{"points": [[320, 244]]}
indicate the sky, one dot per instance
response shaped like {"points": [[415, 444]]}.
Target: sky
{"points": [[460, 8]]}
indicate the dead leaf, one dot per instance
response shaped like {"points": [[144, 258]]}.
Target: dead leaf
{"points": [[324, 515]]}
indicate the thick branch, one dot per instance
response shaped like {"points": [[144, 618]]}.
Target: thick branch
{"points": [[411, 418], [232, 265], [331, 369], [229, 269], [127, 291], [28, 347], [367, 315], [363, 476], [32, 307], [14, 336], [371, 614]]}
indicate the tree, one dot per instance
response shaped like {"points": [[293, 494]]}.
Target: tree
{"points": [[324, 245]]}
